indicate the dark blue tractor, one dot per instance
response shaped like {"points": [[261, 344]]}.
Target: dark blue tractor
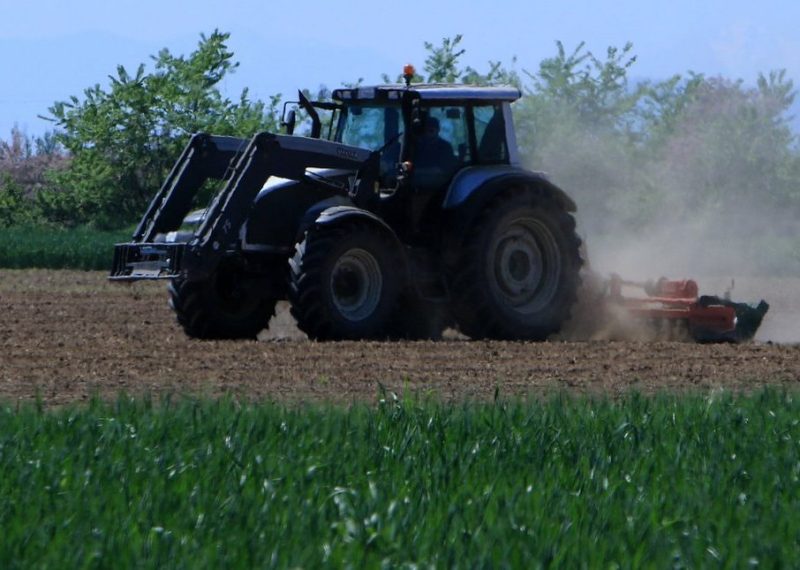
{"points": [[406, 210]]}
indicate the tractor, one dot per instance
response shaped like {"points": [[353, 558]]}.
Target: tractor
{"points": [[409, 213]]}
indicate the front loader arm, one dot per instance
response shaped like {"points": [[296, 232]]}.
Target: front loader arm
{"points": [[268, 155], [204, 157], [245, 166]]}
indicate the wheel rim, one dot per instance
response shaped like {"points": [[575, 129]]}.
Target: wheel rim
{"points": [[356, 284], [525, 265]]}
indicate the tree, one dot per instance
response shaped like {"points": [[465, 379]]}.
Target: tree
{"points": [[25, 167], [124, 139], [730, 148], [442, 65], [597, 90], [14, 208]]}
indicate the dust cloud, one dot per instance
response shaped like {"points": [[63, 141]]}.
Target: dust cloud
{"points": [[681, 213]]}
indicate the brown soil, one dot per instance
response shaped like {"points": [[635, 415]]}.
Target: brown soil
{"points": [[66, 336]]}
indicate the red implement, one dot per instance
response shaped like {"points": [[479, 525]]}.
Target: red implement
{"points": [[708, 318]]}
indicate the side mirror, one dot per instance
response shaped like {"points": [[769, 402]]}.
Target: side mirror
{"points": [[290, 121]]}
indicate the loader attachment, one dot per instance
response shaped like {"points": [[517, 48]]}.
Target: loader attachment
{"points": [[205, 157], [707, 318], [244, 166], [147, 256]]}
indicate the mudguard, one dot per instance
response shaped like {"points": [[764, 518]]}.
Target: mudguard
{"points": [[473, 187], [479, 183], [338, 214]]}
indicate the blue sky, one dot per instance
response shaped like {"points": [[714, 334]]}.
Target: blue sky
{"points": [[54, 48]]}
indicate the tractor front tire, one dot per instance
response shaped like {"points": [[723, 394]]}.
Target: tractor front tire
{"points": [[344, 282], [225, 306], [518, 274]]}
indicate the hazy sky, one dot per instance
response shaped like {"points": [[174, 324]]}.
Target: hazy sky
{"points": [[54, 48]]}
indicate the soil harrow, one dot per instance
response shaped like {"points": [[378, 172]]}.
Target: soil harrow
{"points": [[678, 305]]}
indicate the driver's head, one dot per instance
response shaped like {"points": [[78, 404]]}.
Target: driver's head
{"points": [[432, 127]]}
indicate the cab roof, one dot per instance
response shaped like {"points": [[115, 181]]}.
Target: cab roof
{"points": [[428, 92]]}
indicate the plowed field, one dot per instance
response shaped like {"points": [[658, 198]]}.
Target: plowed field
{"points": [[65, 336]]}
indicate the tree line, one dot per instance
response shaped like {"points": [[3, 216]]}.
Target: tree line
{"points": [[631, 154]]}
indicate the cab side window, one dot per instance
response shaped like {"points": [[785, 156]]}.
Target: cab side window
{"points": [[441, 147], [490, 132], [452, 128]]}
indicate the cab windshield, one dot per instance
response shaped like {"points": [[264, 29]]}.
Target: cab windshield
{"points": [[368, 127]]}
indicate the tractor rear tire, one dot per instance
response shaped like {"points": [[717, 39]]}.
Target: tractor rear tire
{"points": [[518, 274], [344, 282], [226, 306]]}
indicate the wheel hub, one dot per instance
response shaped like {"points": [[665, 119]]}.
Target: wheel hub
{"points": [[356, 284], [526, 265]]}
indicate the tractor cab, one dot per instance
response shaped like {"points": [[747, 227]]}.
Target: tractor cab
{"points": [[429, 127], [426, 135]]}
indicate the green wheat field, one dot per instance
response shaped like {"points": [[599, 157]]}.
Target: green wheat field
{"points": [[692, 481], [59, 248]]}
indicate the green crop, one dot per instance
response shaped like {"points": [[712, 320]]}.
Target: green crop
{"points": [[58, 248], [667, 481]]}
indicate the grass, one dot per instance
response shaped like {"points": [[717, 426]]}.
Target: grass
{"points": [[666, 481], [54, 248]]}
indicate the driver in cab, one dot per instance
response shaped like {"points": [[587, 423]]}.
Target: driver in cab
{"points": [[434, 159]]}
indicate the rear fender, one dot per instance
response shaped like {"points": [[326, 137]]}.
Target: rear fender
{"points": [[479, 183], [473, 188]]}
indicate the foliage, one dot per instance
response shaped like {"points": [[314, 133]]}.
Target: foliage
{"points": [[595, 90], [26, 164], [442, 66], [124, 139], [689, 481], [13, 206], [734, 143], [21, 147], [701, 162]]}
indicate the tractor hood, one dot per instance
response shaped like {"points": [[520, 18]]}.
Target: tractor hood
{"points": [[276, 182]]}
